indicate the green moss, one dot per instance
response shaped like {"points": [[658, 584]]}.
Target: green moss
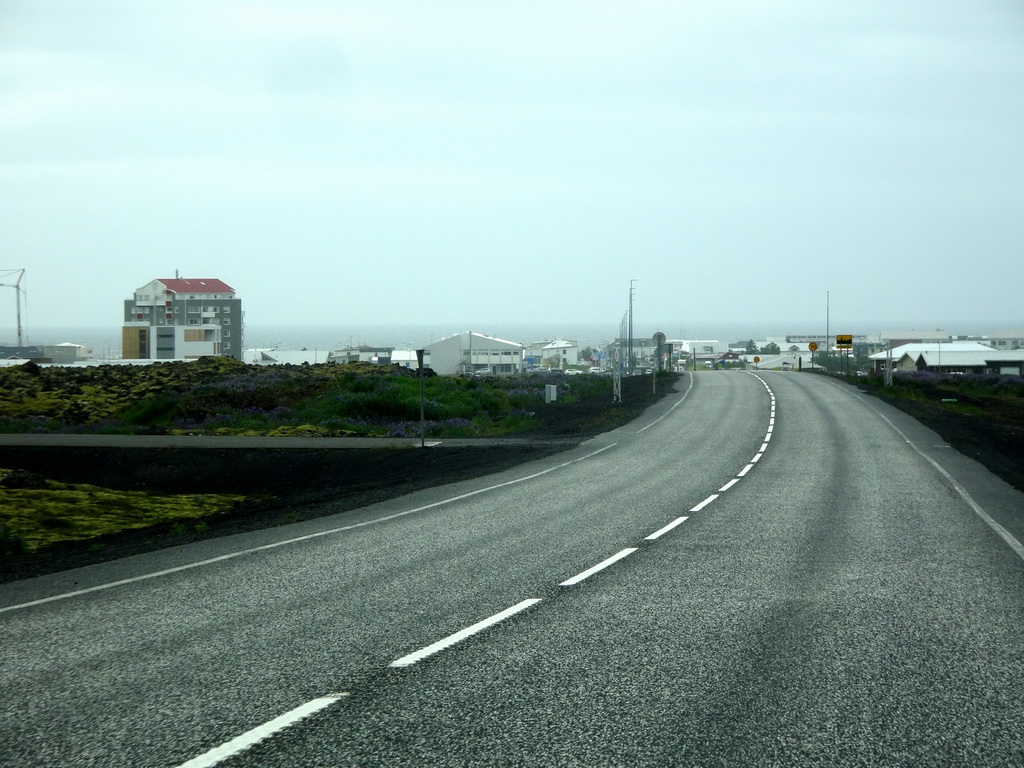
{"points": [[63, 512]]}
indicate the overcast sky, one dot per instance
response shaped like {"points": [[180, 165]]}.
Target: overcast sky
{"points": [[461, 162]]}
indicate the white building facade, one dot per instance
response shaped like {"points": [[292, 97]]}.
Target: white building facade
{"points": [[470, 353]]}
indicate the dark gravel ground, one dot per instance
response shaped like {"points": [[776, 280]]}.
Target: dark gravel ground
{"points": [[303, 483]]}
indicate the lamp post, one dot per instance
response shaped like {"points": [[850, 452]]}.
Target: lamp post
{"points": [[423, 422]]}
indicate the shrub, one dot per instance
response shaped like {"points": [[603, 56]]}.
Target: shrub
{"points": [[11, 542]]}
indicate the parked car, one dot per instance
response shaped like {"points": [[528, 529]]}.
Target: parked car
{"points": [[595, 369], [572, 372]]}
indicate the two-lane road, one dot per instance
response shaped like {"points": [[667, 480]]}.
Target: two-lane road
{"points": [[766, 569]]}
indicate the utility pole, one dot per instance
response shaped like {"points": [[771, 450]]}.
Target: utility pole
{"points": [[18, 291], [828, 341], [629, 357]]}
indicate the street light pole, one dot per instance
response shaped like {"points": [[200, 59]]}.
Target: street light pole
{"points": [[629, 358]]}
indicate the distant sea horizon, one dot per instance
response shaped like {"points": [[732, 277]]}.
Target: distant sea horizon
{"points": [[105, 341]]}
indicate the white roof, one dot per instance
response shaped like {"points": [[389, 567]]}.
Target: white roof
{"points": [[479, 336], [559, 343], [967, 359], [933, 346], [285, 357]]}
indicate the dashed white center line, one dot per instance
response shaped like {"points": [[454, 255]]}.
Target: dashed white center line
{"points": [[462, 634], [730, 484], [744, 471], [667, 528], [599, 567], [258, 734], [704, 503]]}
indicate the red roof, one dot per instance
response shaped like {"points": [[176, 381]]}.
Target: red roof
{"points": [[197, 285]]}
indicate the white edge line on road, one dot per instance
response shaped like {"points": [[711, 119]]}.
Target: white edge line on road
{"points": [[599, 567], [667, 528], [462, 634], [743, 472], [730, 484], [1004, 534], [704, 503], [318, 534], [258, 734], [674, 406]]}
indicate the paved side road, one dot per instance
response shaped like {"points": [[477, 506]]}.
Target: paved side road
{"points": [[764, 572]]}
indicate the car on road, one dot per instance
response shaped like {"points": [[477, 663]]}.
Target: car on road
{"points": [[595, 369], [572, 372]]}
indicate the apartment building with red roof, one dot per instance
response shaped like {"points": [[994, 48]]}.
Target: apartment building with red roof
{"points": [[182, 319]]}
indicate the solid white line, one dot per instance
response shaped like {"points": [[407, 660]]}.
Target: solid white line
{"points": [[246, 740], [704, 503], [599, 567], [743, 472], [667, 528], [462, 634], [674, 406], [1004, 534], [307, 537], [729, 485]]}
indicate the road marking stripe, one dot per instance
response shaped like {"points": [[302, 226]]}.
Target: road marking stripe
{"points": [[743, 472], [462, 634], [757, 458], [674, 406], [667, 528], [599, 567], [768, 435], [704, 503], [729, 485], [258, 734], [307, 537], [1000, 531], [763, 448]]}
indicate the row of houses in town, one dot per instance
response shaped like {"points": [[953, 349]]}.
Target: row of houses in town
{"points": [[187, 318], [466, 353]]}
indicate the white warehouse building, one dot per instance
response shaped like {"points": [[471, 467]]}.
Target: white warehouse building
{"points": [[470, 353]]}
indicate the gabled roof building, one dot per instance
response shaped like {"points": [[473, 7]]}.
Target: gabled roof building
{"points": [[470, 353], [952, 357], [175, 318]]}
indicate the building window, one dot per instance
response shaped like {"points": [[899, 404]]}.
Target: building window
{"points": [[227, 334], [225, 322], [227, 309]]}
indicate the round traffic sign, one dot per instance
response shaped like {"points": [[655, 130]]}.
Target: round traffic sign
{"points": [[757, 359], [813, 346]]}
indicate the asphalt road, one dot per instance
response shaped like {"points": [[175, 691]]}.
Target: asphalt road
{"points": [[844, 590]]}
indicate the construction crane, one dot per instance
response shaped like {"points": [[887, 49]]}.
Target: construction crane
{"points": [[18, 292]]}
